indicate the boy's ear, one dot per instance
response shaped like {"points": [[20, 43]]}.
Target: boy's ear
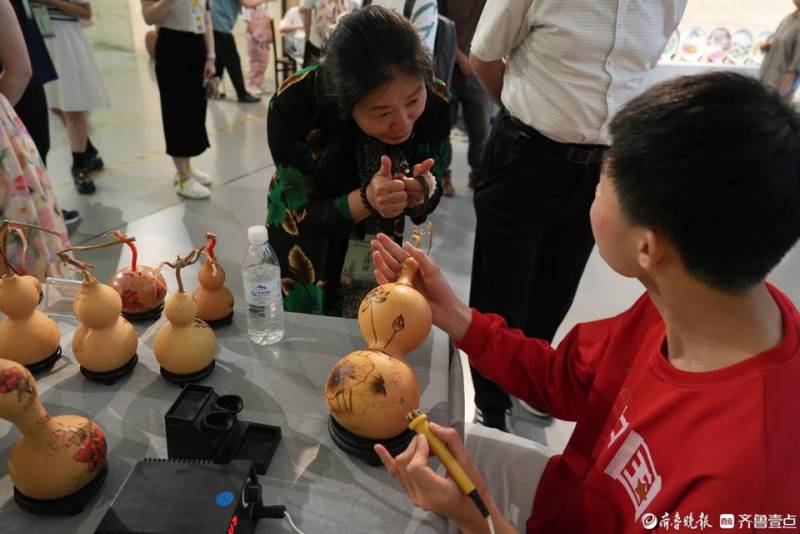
{"points": [[651, 249]]}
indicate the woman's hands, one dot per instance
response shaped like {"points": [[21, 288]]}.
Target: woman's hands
{"points": [[414, 190], [387, 195], [431, 491], [448, 312], [391, 195]]}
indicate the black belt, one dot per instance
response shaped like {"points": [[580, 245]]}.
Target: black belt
{"points": [[576, 153]]}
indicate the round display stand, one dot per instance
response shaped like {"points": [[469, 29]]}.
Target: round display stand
{"points": [[225, 321], [363, 448], [149, 315], [69, 505], [42, 366], [189, 377], [109, 377]]}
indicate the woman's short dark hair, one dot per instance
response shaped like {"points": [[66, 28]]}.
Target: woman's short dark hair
{"points": [[367, 49], [713, 163]]}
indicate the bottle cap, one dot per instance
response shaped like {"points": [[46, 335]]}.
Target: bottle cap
{"points": [[257, 234]]}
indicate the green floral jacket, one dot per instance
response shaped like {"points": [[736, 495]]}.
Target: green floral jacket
{"points": [[309, 220]]}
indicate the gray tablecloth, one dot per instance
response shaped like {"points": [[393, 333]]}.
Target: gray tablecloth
{"points": [[323, 488]]}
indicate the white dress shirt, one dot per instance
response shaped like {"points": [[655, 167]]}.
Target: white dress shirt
{"points": [[185, 16], [573, 63]]}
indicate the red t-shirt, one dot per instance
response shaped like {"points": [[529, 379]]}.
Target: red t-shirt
{"points": [[653, 443]]}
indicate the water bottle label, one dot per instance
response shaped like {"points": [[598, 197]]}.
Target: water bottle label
{"points": [[260, 293]]}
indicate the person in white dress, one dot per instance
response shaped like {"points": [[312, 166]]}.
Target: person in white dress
{"points": [[79, 87]]}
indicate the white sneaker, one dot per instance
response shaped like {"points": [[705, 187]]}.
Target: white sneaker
{"points": [[192, 189], [534, 410], [201, 177]]}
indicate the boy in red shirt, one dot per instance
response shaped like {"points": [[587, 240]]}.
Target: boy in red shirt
{"points": [[686, 404]]}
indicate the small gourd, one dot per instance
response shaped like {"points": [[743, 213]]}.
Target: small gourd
{"points": [[56, 457], [214, 300], [27, 336], [370, 393], [142, 288], [184, 345], [395, 318], [104, 343]]}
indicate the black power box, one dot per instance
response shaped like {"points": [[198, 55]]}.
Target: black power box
{"points": [[186, 497]]}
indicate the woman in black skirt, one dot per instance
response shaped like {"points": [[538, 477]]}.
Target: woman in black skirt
{"points": [[184, 65]]}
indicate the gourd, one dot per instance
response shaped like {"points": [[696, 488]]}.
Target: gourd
{"points": [[104, 343], [141, 288], [214, 300], [370, 392], [56, 457], [27, 336], [395, 318], [185, 345]]}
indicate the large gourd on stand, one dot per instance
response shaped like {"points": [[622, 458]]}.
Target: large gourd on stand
{"points": [[59, 462], [184, 345], [370, 392], [104, 343]]}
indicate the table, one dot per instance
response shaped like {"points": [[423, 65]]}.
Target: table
{"points": [[322, 488]]}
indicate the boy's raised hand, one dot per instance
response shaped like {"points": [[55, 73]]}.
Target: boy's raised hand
{"points": [[448, 312]]}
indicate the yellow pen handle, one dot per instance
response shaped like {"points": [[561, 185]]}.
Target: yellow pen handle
{"points": [[420, 425]]}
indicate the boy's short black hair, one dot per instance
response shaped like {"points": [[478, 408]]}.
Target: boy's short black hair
{"points": [[713, 163]]}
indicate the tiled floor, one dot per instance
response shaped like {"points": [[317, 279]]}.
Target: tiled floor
{"points": [[135, 194]]}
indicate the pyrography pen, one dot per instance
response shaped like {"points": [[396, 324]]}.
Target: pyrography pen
{"points": [[418, 422]]}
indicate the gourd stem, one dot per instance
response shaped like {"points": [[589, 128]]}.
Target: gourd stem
{"points": [[15, 226], [181, 262], [407, 272], [85, 267], [212, 242], [122, 238]]}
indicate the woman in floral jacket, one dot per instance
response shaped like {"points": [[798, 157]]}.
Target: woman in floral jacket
{"points": [[358, 144]]}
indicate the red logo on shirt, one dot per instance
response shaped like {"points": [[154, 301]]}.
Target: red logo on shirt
{"points": [[633, 467]]}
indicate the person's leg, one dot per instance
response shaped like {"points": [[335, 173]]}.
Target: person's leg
{"points": [[219, 50], [77, 130], [32, 110], [475, 105], [559, 272], [182, 168], [523, 190], [230, 57], [84, 161]]}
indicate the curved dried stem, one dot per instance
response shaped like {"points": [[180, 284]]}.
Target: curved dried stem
{"points": [[84, 267], [6, 228], [128, 241], [182, 262], [418, 233]]}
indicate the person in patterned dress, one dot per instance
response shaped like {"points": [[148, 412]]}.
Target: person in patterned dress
{"points": [[357, 143]]}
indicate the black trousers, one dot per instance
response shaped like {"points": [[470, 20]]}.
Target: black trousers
{"points": [[228, 58], [32, 111], [533, 236], [180, 59], [476, 107]]}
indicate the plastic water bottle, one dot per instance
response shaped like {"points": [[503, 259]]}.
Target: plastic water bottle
{"points": [[261, 275]]}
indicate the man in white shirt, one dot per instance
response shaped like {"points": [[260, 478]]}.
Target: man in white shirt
{"points": [[560, 69]]}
